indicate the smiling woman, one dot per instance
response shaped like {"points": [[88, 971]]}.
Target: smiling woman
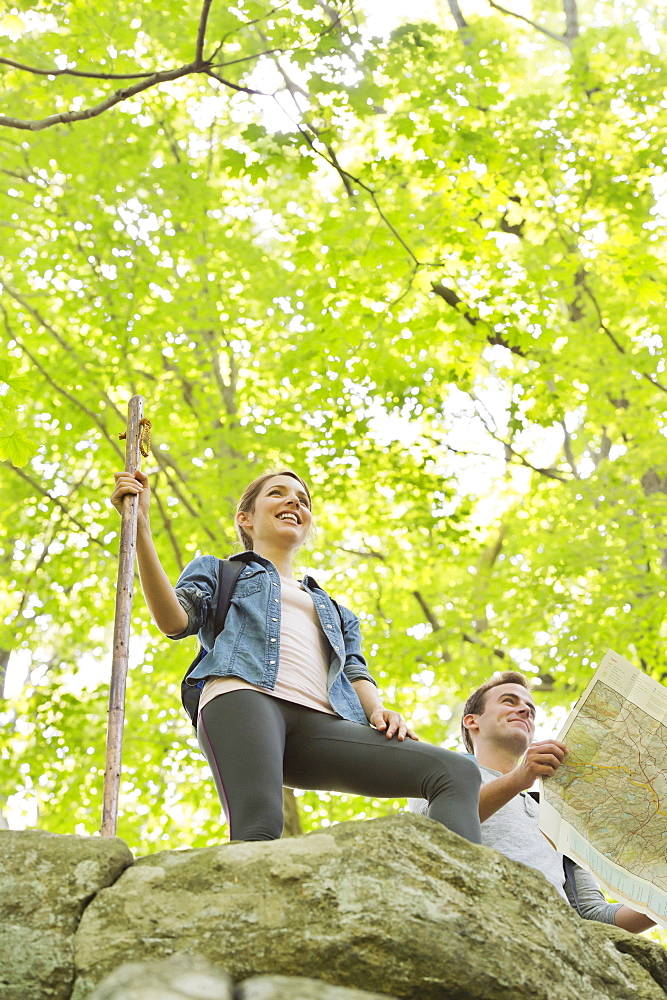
{"points": [[287, 698], [283, 496]]}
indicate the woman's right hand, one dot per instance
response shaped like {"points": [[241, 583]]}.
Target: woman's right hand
{"points": [[137, 485]]}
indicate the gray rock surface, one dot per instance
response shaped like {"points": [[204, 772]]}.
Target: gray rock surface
{"points": [[398, 901], [190, 977], [299, 988], [46, 881], [180, 977]]}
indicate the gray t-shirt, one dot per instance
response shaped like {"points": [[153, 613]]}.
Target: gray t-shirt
{"points": [[514, 831]]}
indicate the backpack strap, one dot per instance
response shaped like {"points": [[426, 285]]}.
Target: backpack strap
{"points": [[228, 574], [570, 877]]}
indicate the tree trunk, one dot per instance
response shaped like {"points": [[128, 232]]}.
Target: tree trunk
{"points": [[292, 820], [4, 663]]}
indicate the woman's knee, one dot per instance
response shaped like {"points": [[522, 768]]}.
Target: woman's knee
{"points": [[256, 824], [466, 769], [452, 772]]}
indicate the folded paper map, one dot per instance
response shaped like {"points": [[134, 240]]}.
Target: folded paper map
{"points": [[606, 806]]}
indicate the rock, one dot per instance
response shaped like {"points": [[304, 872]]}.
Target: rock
{"points": [[398, 901], [46, 881], [180, 977], [651, 956], [190, 977], [299, 988]]}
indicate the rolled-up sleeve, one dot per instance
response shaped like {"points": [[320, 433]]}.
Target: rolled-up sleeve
{"points": [[355, 667], [592, 904], [195, 590]]}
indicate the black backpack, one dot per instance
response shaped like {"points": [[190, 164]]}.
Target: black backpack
{"points": [[228, 573], [569, 867]]}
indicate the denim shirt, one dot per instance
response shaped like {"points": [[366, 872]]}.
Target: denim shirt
{"points": [[249, 645]]}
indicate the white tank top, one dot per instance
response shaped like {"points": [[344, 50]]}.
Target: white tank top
{"points": [[304, 656]]}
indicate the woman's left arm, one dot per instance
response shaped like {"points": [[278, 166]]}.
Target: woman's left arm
{"points": [[382, 718]]}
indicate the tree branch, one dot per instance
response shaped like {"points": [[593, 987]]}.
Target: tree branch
{"points": [[571, 20], [603, 451], [533, 24], [11, 291], [500, 653], [460, 21], [331, 12], [277, 51], [619, 347], [467, 454], [226, 389], [509, 449], [166, 521], [36, 125], [54, 500], [453, 299], [85, 74], [345, 175], [149, 80], [4, 663], [437, 627], [246, 24], [56, 527], [429, 615], [567, 448], [201, 32], [236, 86], [549, 473], [339, 170], [14, 294], [364, 553], [72, 399], [165, 462]]}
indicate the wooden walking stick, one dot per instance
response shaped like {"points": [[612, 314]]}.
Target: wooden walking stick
{"points": [[137, 437]]}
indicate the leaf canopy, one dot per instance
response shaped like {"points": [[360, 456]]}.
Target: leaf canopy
{"points": [[426, 271]]}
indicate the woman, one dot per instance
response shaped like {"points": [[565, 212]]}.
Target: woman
{"points": [[287, 698]]}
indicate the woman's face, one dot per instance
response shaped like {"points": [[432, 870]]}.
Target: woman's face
{"points": [[281, 516]]}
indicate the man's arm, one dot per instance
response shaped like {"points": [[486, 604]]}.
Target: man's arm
{"points": [[631, 920], [593, 905], [540, 760]]}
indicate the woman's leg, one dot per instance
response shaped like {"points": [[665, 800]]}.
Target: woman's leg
{"points": [[242, 734], [330, 754]]}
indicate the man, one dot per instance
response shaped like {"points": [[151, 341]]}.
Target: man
{"points": [[498, 726]]}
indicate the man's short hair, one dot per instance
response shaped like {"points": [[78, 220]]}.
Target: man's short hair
{"points": [[475, 703]]}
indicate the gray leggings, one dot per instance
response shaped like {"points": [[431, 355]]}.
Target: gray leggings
{"points": [[256, 743]]}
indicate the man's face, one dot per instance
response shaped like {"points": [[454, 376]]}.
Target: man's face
{"points": [[508, 719]]}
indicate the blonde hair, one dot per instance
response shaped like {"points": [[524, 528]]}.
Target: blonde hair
{"points": [[246, 504]]}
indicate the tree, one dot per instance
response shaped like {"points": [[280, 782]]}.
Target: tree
{"points": [[428, 270]]}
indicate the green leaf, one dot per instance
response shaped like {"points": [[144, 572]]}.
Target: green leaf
{"points": [[17, 448]]}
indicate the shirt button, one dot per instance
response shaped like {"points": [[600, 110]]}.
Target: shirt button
{"points": [[271, 662], [329, 626], [273, 640], [274, 619]]}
